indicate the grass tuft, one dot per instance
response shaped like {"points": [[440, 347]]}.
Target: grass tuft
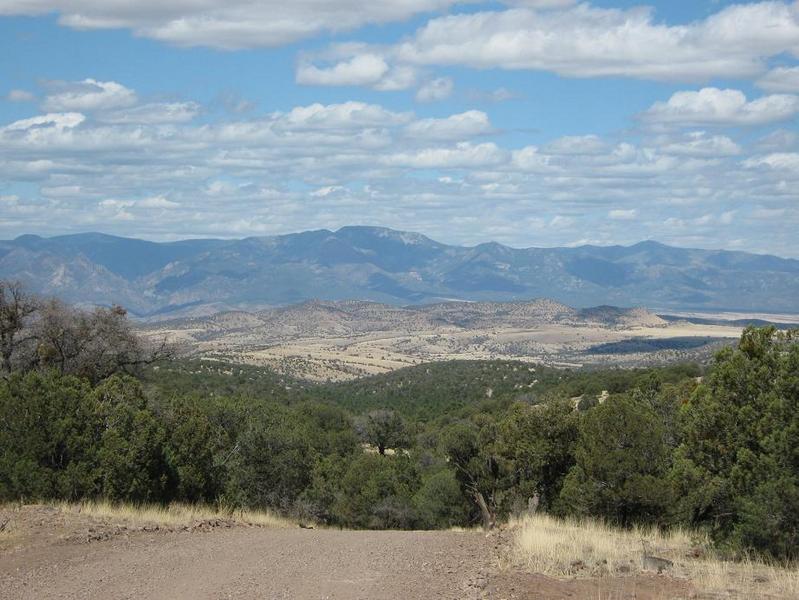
{"points": [[571, 547], [174, 514]]}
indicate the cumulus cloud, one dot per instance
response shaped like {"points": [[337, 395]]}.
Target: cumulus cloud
{"points": [[781, 79], [153, 113], [364, 69], [88, 95], [699, 143], [788, 161], [50, 120], [586, 41], [463, 155], [344, 115], [435, 89], [156, 202], [713, 106], [228, 25], [455, 127], [324, 165], [620, 214]]}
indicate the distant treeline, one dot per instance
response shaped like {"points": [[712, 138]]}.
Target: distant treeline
{"points": [[430, 446]]}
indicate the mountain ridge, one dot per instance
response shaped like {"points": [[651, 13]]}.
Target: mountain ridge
{"points": [[395, 267]]}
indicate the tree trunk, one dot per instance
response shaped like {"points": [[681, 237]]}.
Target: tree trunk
{"points": [[485, 513]]}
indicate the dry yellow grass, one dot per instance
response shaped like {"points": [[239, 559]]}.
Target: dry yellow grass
{"points": [[551, 546], [173, 514]]}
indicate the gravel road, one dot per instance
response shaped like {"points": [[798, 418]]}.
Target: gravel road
{"points": [[257, 563]]}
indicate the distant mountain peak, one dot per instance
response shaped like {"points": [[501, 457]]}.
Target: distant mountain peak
{"points": [[387, 266]]}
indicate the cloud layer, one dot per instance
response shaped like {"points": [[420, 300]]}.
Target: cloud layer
{"points": [[155, 169], [586, 41]]}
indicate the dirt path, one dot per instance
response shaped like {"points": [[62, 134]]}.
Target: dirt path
{"points": [[256, 563]]}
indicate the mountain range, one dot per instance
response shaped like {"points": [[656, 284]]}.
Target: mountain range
{"points": [[201, 276]]}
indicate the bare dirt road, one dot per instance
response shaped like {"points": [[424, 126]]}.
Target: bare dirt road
{"points": [[48, 553], [256, 563]]}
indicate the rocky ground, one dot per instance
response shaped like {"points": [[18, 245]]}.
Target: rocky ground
{"points": [[48, 553]]}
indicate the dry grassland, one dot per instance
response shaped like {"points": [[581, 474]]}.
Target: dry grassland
{"points": [[571, 548]]}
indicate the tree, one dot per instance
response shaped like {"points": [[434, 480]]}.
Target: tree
{"points": [[63, 439], [131, 456], [469, 448], [738, 464], [385, 429], [621, 465], [46, 437], [439, 502], [192, 449], [16, 308], [538, 443], [377, 492], [94, 345]]}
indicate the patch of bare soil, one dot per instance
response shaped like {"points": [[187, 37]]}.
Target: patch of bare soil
{"points": [[47, 553], [515, 585]]}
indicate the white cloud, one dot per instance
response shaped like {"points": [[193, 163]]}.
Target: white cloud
{"points": [[20, 96], [153, 113], [777, 140], [585, 41], [156, 202], [620, 214], [463, 155], [435, 89], [455, 127], [229, 25], [50, 120], [325, 165], [699, 144], [363, 69], [788, 161], [561, 221], [399, 77], [540, 3], [713, 106], [781, 79], [345, 115], [88, 95], [323, 192]]}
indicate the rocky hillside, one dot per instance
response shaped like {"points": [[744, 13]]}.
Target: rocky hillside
{"points": [[349, 319]]}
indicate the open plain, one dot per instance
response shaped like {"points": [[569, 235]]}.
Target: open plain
{"points": [[335, 341]]}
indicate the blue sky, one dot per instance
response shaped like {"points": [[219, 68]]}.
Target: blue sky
{"points": [[528, 122]]}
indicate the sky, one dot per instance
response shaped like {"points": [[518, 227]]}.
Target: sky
{"points": [[526, 122]]}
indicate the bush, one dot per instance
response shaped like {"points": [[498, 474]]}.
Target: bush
{"points": [[621, 465]]}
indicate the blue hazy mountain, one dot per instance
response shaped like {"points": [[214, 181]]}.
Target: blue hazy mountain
{"points": [[372, 263]]}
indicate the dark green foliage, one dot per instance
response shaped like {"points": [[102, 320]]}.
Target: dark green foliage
{"points": [[384, 429], [621, 465], [738, 465], [430, 446], [65, 440], [46, 436], [377, 492], [439, 501], [538, 444], [277, 451]]}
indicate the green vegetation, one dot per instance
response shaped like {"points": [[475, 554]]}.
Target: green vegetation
{"points": [[430, 446]]}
